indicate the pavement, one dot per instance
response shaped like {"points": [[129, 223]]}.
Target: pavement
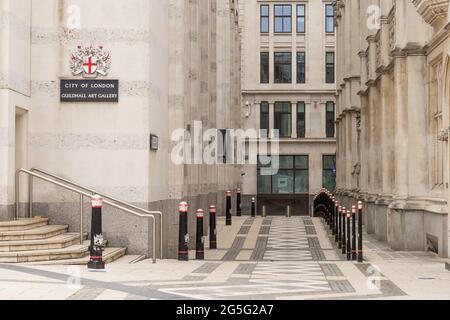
{"points": [[273, 258]]}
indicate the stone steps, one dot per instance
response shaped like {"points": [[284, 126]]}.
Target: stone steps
{"points": [[35, 241], [57, 242], [23, 224], [109, 255], [38, 233]]}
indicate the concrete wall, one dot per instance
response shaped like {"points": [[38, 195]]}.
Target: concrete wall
{"points": [[174, 68]]}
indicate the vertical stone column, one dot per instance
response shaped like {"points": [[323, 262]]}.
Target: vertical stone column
{"points": [[271, 118], [294, 120]]}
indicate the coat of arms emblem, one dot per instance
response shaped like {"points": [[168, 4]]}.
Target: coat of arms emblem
{"points": [[90, 61]]}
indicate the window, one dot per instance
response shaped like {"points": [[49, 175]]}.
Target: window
{"points": [[329, 18], [264, 119], [264, 19], [330, 119], [283, 119], [301, 67], [283, 18], [301, 120], [329, 175], [330, 67], [264, 67], [301, 22], [283, 67], [292, 178]]}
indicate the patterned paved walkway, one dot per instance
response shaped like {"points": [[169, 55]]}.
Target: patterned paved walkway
{"points": [[271, 258]]}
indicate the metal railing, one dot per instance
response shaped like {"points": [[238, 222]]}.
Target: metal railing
{"points": [[86, 192]]}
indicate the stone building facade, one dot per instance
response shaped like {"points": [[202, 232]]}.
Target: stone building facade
{"points": [[393, 119], [174, 67], [288, 50]]}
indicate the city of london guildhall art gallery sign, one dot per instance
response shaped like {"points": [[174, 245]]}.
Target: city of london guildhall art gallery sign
{"points": [[90, 63]]}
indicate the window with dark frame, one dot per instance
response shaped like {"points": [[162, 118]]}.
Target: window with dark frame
{"points": [[330, 119], [283, 67], [283, 119], [264, 65], [301, 120], [329, 169], [292, 178], [283, 18], [330, 72], [264, 119], [264, 18], [301, 67], [301, 18], [329, 18]]}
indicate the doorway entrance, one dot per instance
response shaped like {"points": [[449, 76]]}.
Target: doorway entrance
{"points": [[289, 186]]}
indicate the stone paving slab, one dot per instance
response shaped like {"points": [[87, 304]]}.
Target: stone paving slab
{"points": [[302, 267]]}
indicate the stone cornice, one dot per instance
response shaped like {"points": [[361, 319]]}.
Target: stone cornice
{"points": [[432, 11]]}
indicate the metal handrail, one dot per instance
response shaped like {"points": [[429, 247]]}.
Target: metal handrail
{"points": [[103, 195], [82, 194]]}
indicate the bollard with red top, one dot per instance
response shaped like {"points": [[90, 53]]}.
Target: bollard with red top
{"points": [[348, 240], [344, 230], [360, 231], [238, 203], [183, 237], [97, 242], [340, 227], [336, 220], [354, 250], [228, 210], [200, 243], [253, 207], [212, 227]]}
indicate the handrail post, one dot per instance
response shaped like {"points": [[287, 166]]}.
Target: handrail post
{"points": [[30, 196], [17, 194]]}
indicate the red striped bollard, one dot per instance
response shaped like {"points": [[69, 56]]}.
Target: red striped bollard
{"points": [[360, 232], [344, 230], [183, 236], [349, 231], [200, 243], [229, 218], [97, 242], [253, 207], [212, 227], [238, 203]]}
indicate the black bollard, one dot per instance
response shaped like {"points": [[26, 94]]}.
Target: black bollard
{"points": [[200, 240], [238, 203], [344, 231], [360, 231], [253, 207], [333, 215], [348, 240], [354, 250], [340, 227], [212, 228], [336, 220], [228, 210], [97, 242], [183, 237]]}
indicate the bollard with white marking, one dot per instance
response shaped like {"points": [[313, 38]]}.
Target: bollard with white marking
{"points": [[200, 239], [212, 227], [97, 242], [183, 236]]}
